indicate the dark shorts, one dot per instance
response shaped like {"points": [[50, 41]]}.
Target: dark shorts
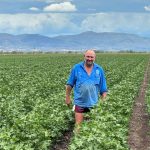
{"points": [[80, 109]]}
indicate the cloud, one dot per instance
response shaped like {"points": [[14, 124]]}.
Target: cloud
{"points": [[45, 24], [34, 8], [136, 23], [73, 23], [147, 8], [61, 7]]}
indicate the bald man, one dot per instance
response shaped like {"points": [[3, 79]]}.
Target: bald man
{"points": [[88, 80]]}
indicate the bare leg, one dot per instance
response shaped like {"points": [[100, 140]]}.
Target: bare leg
{"points": [[78, 121], [78, 118]]}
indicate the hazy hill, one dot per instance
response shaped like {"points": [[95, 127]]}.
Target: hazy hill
{"points": [[100, 41]]}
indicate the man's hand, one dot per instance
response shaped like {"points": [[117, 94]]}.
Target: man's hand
{"points": [[68, 100], [104, 96], [68, 92]]}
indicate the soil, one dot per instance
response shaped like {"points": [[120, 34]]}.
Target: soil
{"points": [[63, 142], [139, 131]]}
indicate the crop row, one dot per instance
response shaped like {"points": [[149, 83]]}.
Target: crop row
{"points": [[32, 110], [147, 97]]}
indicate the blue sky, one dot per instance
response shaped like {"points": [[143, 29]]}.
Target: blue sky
{"points": [[59, 17]]}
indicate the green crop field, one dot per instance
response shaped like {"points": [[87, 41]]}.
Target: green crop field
{"points": [[32, 94]]}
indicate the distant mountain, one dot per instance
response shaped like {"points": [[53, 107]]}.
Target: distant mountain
{"points": [[99, 41]]}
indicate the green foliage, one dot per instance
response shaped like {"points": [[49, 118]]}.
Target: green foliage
{"points": [[148, 99], [32, 93]]}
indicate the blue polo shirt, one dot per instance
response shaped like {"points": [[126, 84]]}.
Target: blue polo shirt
{"points": [[87, 87]]}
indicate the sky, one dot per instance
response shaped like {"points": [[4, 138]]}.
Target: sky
{"points": [[68, 17]]}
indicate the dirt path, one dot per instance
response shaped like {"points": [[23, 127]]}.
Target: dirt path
{"points": [[63, 142], [139, 128]]}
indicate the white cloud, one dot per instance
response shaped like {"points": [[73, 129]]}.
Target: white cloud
{"points": [[61, 7], [137, 23], [34, 8], [66, 23], [147, 8], [35, 23]]}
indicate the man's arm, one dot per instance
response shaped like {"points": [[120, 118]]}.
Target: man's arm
{"points": [[103, 86], [68, 92]]}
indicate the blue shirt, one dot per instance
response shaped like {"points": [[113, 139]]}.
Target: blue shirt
{"points": [[87, 87]]}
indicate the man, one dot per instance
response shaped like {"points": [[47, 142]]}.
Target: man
{"points": [[88, 80]]}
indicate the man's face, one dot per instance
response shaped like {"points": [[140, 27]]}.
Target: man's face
{"points": [[89, 58]]}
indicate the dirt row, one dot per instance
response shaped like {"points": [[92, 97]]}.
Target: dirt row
{"points": [[139, 131]]}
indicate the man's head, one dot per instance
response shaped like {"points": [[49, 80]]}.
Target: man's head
{"points": [[89, 57]]}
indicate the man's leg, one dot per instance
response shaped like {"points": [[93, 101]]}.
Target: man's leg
{"points": [[78, 114], [78, 121], [78, 118]]}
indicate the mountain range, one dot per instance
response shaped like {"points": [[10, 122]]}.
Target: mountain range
{"points": [[105, 41]]}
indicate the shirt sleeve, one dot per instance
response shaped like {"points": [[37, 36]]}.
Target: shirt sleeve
{"points": [[103, 84], [71, 80]]}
